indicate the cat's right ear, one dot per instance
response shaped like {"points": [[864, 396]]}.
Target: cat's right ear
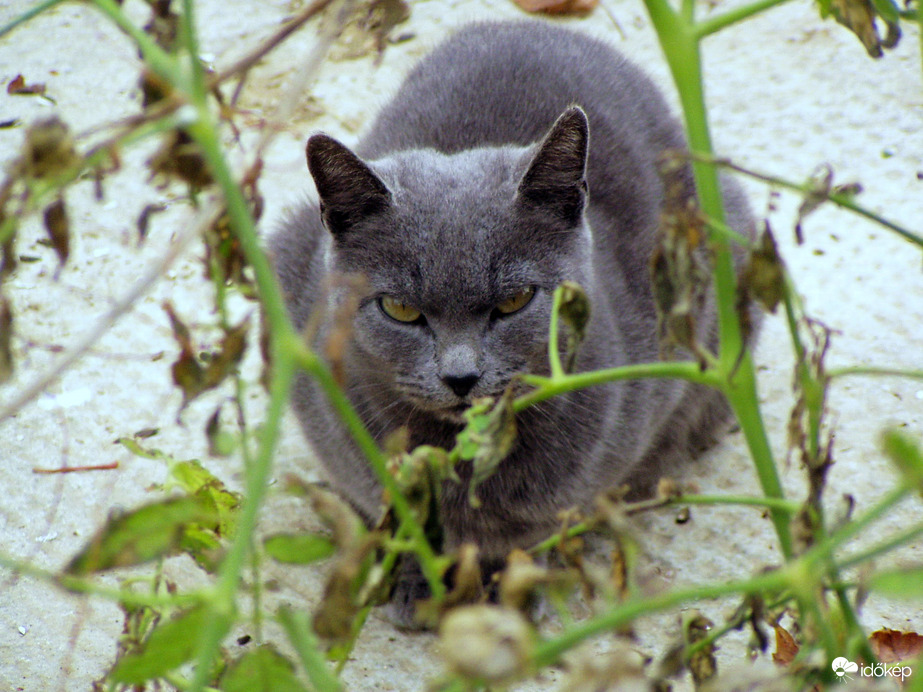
{"points": [[348, 189]]}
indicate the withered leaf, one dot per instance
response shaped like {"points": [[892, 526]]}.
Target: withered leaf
{"points": [[702, 664], [189, 374], [18, 85], [6, 335], [891, 646], [786, 647], [58, 227], [144, 219], [575, 313], [558, 6], [486, 642], [763, 277], [519, 580], [49, 149], [8, 258], [180, 157], [487, 439], [679, 268], [859, 17]]}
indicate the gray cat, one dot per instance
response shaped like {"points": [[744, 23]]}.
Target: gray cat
{"points": [[514, 157]]}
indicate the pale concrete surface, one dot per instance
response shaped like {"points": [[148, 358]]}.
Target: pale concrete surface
{"points": [[788, 92]]}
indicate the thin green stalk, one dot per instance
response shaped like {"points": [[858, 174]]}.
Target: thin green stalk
{"points": [[680, 46], [548, 652], [156, 58], [554, 354], [87, 586], [282, 352], [776, 503], [28, 14], [548, 387], [875, 371], [191, 40], [852, 528], [714, 24], [302, 637], [879, 549], [842, 200], [429, 563]]}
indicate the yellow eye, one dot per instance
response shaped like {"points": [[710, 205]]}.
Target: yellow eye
{"points": [[516, 302], [397, 310]]}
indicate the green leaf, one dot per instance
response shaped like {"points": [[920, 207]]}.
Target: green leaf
{"points": [[298, 549], [171, 644], [131, 444], [901, 583], [261, 670], [904, 450], [141, 535], [196, 480]]}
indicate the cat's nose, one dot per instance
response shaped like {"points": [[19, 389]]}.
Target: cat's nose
{"points": [[462, 384]]}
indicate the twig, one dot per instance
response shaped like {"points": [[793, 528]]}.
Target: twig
{"points": [[75, 469]]}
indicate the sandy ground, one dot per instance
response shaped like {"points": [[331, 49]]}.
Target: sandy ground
{"points": [[787, 92]]}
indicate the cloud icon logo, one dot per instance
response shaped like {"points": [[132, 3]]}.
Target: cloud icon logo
{"points": [[841, 666]]}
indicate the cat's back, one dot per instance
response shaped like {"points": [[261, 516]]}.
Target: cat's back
{"points": [[495, 83]]}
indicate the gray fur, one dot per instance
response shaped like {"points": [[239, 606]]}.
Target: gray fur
{"points": [[469, 186]]}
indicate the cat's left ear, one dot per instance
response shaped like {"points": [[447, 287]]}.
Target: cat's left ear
{"points": [[556, 176], [349, 191]]}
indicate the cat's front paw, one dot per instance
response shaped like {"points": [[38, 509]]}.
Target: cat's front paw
{"points": [[411, 588]]}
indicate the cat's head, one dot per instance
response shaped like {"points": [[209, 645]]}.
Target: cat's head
{"points": [[461, 254]]}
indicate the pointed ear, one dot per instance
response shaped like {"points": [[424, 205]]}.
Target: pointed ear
{"points": [[556, 178], [348, 189]]}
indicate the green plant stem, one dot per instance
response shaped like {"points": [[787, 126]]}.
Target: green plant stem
{"points": [[554, 354], [156, 58], [844, 201], [788, 506], [874, 371], [429, 563], [548, 387], [29, 14], [298, 628], [680, 46], [879, 549], [714, 24], [549, 651], [87, 586], [204, 131]]}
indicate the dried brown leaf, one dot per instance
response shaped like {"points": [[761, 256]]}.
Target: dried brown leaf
{"points": [[180, 157], [519, 580], [679, 268], [49, 150], [6, 335], [558, 6], [58, 227], [18, 86], [575, 313], [763, 277], [859, 17], [786, 647], [891, 646], [486, 642], [702, 664]]}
